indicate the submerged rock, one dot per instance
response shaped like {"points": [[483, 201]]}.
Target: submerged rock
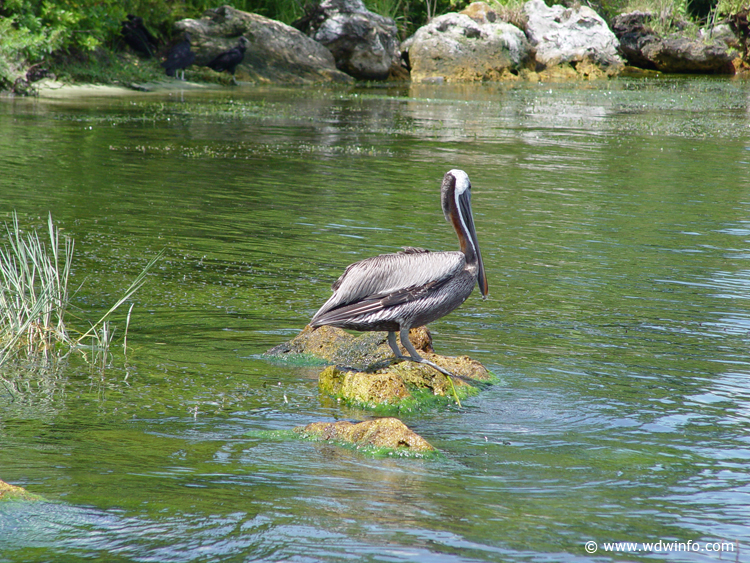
{"points": [[372, 378], [276, 53], [380, 433], [12, 492]]}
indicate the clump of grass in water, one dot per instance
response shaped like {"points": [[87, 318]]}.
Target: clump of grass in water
{"points": [[34, 297]]}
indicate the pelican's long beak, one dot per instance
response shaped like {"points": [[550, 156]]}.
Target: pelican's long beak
{"points": [[471, 246]]}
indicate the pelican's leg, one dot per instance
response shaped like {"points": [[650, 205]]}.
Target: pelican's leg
{"points": [[394, 346], [415, 357]]}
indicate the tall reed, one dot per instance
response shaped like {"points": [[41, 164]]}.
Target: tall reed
{"points": [[35, 296]]}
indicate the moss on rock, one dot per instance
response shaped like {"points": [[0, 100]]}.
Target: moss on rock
{"points": [[372, 379], [404, 384], [337, 346], [12, 492], [381, 435]]}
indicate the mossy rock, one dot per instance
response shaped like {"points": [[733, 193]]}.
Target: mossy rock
{"points": [[386, 436], [336, 346], [12, 492], [404, 384], [367, 375]]}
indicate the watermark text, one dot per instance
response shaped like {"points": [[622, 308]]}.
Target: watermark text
{"points": [[662, 546]]}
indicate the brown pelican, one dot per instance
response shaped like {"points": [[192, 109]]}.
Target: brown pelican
{"points": [[395, 292]]}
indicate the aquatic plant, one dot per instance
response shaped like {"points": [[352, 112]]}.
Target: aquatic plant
{"points": [[35, 296]]}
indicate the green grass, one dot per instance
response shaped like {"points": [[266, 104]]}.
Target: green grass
{"points": [[730, 7], [106, 67], [35, 298]]}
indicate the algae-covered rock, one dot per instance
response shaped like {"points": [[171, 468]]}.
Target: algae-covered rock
{"points": [[363, 387], [644, 47], [12, 492], [403, 383], [372, 377], [380, 433], [336, 346]]}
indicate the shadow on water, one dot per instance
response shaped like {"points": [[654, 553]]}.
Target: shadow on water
{"points": [[613, 223]]}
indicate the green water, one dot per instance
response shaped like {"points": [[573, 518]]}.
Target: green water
{"points": [[614, 221]]}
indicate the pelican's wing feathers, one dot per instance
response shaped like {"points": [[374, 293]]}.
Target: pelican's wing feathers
{"points": [[387, 280]]}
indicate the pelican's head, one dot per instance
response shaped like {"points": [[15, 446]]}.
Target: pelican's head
{"points": [[456, 200]]}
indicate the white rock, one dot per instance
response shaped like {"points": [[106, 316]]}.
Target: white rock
{"points": [[563, 35], [454, 47]]}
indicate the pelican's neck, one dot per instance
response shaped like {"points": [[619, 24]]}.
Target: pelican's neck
{"points": [[456, 200]]}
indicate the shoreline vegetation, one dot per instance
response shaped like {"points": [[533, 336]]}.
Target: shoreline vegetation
{"points": [[82, 42]]}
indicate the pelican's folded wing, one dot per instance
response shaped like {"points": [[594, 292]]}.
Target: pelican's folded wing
{"points": [[387, 280]]}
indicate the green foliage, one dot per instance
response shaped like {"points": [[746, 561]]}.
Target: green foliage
{"points": [[665, 10], [410, 15], [669, 12], [668, 15], [282, 10], [13, 45], [730, 7], [103, 66], [389, 8], [73, 26], [65, 25]]}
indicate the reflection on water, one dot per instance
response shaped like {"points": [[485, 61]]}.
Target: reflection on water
{"points": [[612, 218]]}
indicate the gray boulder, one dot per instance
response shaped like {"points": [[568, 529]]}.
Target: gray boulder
{"points": [[276, 52], [644, 48], [677, 54], [721, 32], [570, 35], [633, 33], [456, 48], [363, 44]]}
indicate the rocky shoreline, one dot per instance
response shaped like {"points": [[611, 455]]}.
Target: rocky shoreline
{"points": [[340, 41]]}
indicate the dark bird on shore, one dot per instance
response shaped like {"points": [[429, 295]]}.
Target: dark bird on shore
{"points": [[395, 292], [138, 37], [228, 60], [179, 58]]}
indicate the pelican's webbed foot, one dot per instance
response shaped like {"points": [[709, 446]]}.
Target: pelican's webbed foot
{"points": [[415, 357]]}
